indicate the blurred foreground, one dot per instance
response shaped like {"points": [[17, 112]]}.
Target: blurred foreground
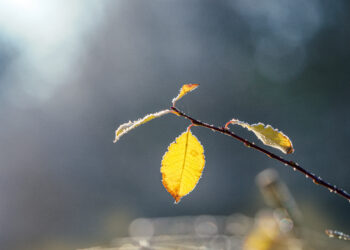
{"points": [[278, 227]]}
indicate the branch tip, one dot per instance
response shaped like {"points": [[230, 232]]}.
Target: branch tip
{"points": [[224, 130]]}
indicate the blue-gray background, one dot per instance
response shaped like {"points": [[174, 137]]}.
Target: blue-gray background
{"points": [[71, 73]]}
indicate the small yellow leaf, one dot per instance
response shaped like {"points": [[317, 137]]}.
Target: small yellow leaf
{"points": [[184, 90], [126, 127], [182, 165], [268, 135]]}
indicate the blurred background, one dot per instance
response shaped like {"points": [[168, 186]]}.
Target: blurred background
{"points": [[72, 72]]}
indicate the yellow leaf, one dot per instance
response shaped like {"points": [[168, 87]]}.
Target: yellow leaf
{"points": [[268, 135], [182, 165], [126, 127], [184, 90]]}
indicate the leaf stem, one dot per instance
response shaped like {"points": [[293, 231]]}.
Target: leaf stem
{"points": [[316, 179]]}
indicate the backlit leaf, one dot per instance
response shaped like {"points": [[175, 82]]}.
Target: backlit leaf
{"points": [[182, 165], [268, 135], [184, 90], [126, 127]]}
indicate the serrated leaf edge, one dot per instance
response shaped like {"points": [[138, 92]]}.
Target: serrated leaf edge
{"points": [[126, 127], [248, 126], [176, 197]]}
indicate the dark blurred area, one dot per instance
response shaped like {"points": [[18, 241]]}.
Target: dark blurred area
{"points": [[71, 73]]}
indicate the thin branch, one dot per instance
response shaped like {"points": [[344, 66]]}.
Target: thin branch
{"points": [[337, 234], [295, 166]]}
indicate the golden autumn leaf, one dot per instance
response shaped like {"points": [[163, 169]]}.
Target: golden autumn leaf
{"points": [[182, 165], [126, 127], [268, 135], [184, 90]]}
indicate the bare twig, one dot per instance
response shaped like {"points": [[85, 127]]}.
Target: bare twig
{"points": [[295, 166], [337, 234]]}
